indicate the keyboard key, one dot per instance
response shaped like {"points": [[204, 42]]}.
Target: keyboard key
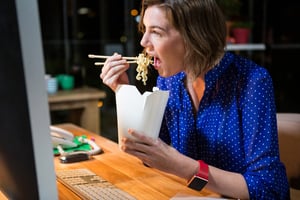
{"points": [[88, 185]]}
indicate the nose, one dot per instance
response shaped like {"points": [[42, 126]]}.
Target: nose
{"points": [[144, 41]]}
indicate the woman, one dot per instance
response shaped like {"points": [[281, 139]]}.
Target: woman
{"points": [[220, 118]]}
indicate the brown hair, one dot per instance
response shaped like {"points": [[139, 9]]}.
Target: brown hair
{"points": [[202, 26]]}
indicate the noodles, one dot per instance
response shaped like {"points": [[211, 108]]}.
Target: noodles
{"points": [[143, 61], [142, 68]]}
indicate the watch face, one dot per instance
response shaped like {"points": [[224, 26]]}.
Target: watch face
{"points": [[197, 183]]}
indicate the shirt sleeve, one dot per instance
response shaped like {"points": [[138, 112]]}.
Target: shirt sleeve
{"points": [[265, 175]]}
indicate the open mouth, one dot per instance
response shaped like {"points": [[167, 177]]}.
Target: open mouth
{"points": [[156, 63]]}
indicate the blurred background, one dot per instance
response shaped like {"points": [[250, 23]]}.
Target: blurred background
{"points": [[72, 29]]}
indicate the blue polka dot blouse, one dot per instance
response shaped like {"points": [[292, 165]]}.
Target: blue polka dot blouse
{"points": [[235, 126]]}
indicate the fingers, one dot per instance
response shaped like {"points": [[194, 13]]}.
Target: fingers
{"points": [[111, 63], [152, 152], [141, 138], [112, 77], [136, 149], [114, 68], [140, 145]]}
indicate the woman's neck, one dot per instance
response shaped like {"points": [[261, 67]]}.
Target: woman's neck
{"points": [[196, 89]]}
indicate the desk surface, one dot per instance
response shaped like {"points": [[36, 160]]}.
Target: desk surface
{"points": [[126, 172]]}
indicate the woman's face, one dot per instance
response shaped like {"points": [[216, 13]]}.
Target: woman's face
{"points": [[162, 41]]}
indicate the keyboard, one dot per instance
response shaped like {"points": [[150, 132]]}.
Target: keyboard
{"points": [[88, 185]]}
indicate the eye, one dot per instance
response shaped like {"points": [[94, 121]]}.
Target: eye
{"points": [[155, 32]]}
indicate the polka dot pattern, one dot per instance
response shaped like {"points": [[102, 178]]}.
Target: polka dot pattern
{"points": [[235, 126]]}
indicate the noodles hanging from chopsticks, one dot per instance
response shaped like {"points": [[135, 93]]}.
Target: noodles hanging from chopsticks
{"points": [[143, 61], [142, 68]]}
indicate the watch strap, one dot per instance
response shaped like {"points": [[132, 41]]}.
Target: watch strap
{"points": [[203, 170], [199, 180]]}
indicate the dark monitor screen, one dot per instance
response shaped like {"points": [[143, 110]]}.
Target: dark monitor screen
{"points": [[26, 160]]}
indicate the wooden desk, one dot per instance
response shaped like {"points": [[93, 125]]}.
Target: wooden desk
{"points": [[86, 98], [126, 172]]}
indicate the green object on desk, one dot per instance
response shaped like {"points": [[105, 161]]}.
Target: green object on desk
{"points": [[80, 146]]}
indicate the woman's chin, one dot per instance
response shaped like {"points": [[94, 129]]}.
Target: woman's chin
{"points": [[164, 74], [156, 67]]}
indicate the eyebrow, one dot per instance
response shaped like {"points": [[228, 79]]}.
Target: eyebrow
{"points": [[157, 27]]}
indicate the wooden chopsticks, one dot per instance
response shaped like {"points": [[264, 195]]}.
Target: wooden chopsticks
{"points": [[133, 59], [104, 57]]}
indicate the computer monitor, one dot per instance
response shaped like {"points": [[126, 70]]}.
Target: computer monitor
{"points": [[26, 159]]}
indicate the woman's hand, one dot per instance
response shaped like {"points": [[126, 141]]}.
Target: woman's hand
{"points": [[155, 153], [114, 71]]}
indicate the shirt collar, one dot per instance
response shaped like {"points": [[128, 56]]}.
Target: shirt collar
{"points": [[215, 73]]}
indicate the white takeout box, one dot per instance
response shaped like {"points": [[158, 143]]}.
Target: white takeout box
{"points": [[141, 112]]}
